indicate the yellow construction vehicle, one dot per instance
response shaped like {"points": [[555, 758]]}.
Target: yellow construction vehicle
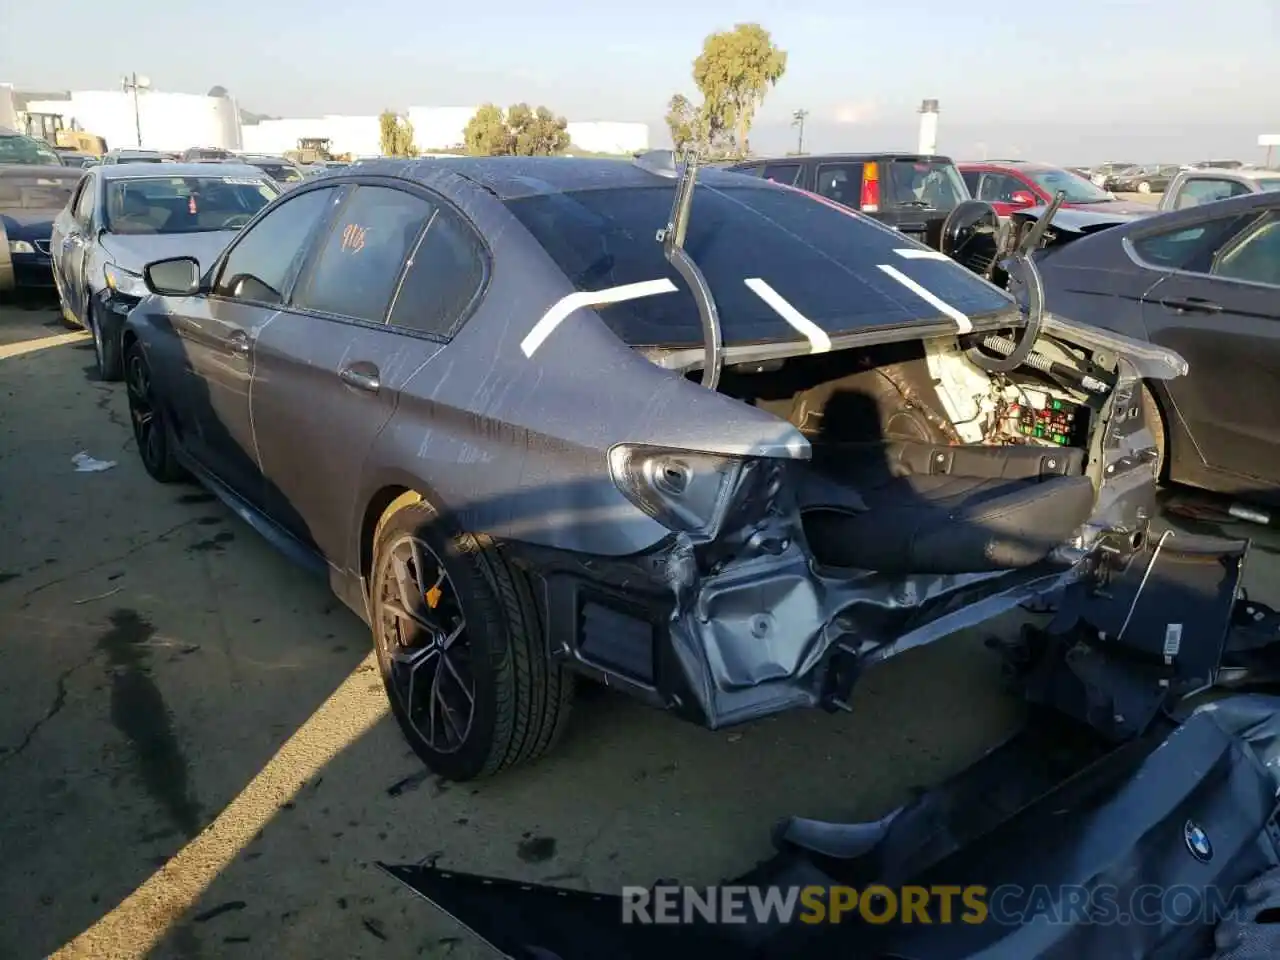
{"points": [[51, 128], [310, 150]]}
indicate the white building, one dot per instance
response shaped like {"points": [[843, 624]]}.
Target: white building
{"points": [[166, 121], [608, 136]]}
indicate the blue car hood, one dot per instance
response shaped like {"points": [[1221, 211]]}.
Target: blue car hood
{"points": [[134, 251]]}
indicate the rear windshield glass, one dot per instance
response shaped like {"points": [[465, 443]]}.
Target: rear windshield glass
{"points": [[184, 204], [927, 184], [26, 150], [36, 193], [1268, 183], [1077, 188], [820, 257]]}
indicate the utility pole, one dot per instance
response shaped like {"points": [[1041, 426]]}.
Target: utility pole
{"points": [[797, 120], [133, 83]]}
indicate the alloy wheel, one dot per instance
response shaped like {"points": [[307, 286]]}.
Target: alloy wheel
{"points": [[148, 429], [423, 634]]}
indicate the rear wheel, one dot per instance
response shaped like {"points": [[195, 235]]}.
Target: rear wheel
{"points": [[460, 646], [1144, 187], [150, 425], [1155, 423]]}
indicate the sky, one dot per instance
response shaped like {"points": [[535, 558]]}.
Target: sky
{"points": [[1076, 82]]}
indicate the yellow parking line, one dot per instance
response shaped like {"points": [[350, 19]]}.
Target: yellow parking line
{"points": [[44, 343], [141, 920]]}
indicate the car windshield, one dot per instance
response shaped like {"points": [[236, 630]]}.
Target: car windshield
{"points": [[22, 192], [184, 204], [821, 258], [280, 172], [931, 184], [27, 150], [1077, 188]]}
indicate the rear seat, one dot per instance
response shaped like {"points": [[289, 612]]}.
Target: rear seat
{"points": [[908, 507]]}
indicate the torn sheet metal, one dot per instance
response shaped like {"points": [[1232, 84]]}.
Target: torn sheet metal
{"points": [[1191, 806]]}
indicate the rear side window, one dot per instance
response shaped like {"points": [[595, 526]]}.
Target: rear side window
{"points": [[261, 265], [1191, 248], [1206, 190], [1253, 256], [786, 173], [822, 259], [927, 184], [356, 273], [841, 182], [444, 274]]}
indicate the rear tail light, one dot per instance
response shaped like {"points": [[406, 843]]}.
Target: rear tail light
{"points": [[870, 200], [684, 490]]}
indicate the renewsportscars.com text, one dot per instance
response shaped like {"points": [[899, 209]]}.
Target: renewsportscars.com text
{"points": [[938, 904]]}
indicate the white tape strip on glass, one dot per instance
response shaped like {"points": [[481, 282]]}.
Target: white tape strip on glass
{"points": [[962, 321], [819, 342], [561, 309]]}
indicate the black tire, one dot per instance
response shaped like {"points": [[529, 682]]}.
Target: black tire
{"points": [[1155, 423], [521, 698], [151, 430], [106, 345]]}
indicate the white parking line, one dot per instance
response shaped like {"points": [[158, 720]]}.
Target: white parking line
{"points": [[911, 253], [962, 321], [819, 342], [561, 309]]}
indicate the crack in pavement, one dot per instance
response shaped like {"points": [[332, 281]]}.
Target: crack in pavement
{"points": [[59, 701], [26, 597]]}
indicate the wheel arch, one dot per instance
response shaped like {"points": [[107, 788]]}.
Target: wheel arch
{"points": [[1160, 397], [386, 492]]}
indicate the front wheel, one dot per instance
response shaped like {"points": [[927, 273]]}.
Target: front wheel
{"points": [[150, 425], [106, 346], [460, 646], [1144, 187]]}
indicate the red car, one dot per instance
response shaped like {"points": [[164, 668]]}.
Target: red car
{"points": [[1010, 185]]}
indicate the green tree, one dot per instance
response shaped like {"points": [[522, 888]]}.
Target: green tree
{"points": [[734, 72], [486, 133], [396, 135], [683, 122], [522, 131]]}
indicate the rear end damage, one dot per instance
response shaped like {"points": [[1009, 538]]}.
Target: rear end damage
{"points": [[941, 483]]}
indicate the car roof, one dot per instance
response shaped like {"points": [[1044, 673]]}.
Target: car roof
{"points": [[1010, 164], [38, 169], [149, 171], [857, 156], [511, 178], [1219, 173]]}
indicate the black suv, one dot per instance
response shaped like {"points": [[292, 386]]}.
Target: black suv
{"points": [[907, 191]]}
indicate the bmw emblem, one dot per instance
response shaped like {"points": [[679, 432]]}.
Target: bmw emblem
{"points": [[1197, 841]]}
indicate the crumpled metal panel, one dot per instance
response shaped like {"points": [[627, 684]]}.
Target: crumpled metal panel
{"points": [[1118, 822]]}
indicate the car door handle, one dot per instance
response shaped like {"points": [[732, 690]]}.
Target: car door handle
{"points": [[238, 343], [1191, 305], [362, 376]]}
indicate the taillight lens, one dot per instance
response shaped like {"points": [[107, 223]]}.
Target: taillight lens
{"points": [[870, 200], [685, 490]]}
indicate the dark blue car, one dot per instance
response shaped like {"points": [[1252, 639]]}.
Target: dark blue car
{"points": [[31, 196]]}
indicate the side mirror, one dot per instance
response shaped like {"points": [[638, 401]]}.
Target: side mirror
{"points": [[175, 277], [1024, 198]]}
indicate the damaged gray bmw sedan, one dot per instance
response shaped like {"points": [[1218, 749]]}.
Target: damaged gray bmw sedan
{"points": [[708, 439]]}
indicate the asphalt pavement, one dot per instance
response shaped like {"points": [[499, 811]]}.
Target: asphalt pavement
{"points": [[196, 759]]}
